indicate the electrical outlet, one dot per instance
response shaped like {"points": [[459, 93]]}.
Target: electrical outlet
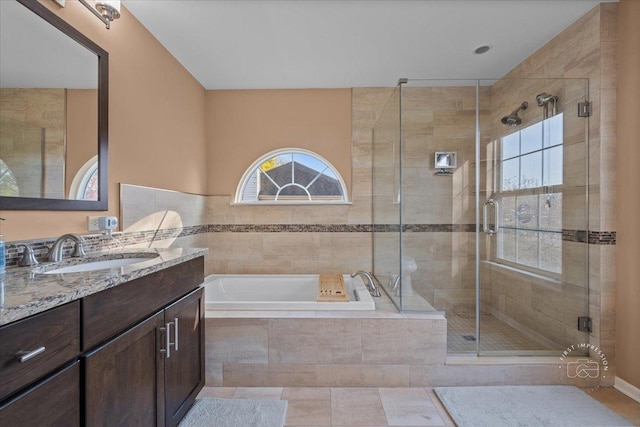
{"points": [[93, 223]]}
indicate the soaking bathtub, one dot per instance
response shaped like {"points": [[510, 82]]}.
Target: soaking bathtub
{"points": [[279, 292]]}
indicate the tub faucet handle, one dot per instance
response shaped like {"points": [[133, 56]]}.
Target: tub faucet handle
{"points": [[370, 282]]}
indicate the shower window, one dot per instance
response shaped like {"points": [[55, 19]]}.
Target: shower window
{"points": [[530, 233], [293, 176]]}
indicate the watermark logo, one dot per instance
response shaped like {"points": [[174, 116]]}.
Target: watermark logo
{"points": [[585, 367]]}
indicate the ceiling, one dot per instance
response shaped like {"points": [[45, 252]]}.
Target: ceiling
{"points": [[268, 44]]}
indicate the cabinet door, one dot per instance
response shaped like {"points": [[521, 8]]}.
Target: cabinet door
{"points": [[124, 378], [184, 366], [54, 401]]}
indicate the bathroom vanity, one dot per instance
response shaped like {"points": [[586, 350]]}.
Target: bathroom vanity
{"points": [[120, 347]]}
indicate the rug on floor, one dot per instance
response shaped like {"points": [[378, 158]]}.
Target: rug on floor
{"points": [[521, 406], [209, 412]]}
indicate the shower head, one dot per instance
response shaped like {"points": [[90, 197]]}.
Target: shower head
{"points": [[513, 119]]}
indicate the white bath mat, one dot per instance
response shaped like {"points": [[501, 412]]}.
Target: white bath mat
{"points": [[210, 412], [521, 406]]}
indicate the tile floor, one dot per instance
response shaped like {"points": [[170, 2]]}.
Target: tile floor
{"points": [[496, 335], [379, 407]]}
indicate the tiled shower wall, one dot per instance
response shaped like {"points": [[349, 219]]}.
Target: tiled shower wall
{"points": [[34, 111], [586, 49], [438, 212]]}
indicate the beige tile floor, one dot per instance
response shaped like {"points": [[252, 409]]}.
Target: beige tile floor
{"points": [[379, 407]]}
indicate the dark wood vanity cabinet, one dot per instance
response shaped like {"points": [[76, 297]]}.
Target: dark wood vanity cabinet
{"points": [[33, 347], [184, 372], [124, 379], [151, 366], [39, 369], [129, 355], [54, 401], [150, 374]]}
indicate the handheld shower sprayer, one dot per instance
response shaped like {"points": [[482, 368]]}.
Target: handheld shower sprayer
{"points": [[513, 119], [543, 99]]}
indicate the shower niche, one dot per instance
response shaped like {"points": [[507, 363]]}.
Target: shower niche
{"points": [[519, 288]]}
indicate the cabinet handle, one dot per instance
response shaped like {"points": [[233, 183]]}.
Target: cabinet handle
{"points": [[23, 356], [175, 323], [167, 329], [167, 340]]}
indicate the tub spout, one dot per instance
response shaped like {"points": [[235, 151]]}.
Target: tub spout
{"points": [[369, 282]]}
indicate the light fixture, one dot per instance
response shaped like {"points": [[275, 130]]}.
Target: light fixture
{"points": [[482, 49], [105, 10]]}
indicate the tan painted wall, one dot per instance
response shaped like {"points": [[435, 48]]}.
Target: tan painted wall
{"points": [[156, 121], [82, 130], [628, 196], [243, 125]]}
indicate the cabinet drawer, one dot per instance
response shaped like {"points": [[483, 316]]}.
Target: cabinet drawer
{"points": [[107, 313], [44, 342], [55, 401]]}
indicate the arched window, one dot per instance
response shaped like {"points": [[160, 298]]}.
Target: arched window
{"points": [[8, 183], [291, 176], [85, 184]]}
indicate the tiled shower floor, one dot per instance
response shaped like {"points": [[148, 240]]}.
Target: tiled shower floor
{"points": [[496, 335]]}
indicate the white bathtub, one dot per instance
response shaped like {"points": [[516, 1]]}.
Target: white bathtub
{"points": [[279, 292]]}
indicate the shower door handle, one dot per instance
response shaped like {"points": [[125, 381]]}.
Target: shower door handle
{"points": [[485, 210]]}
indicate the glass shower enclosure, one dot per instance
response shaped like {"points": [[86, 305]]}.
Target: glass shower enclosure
{"points": [[480, 210]]}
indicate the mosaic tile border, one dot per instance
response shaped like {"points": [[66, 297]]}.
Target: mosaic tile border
{"points": [[591, 237], [101, 242], [98, 242]]}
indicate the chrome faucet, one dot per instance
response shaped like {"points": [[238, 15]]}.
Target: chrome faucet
{"points": [[370, 283], [28, 257], [55, 253]]}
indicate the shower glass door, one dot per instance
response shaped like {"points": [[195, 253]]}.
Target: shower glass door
{"points": [[386, 195], [532, 259]]}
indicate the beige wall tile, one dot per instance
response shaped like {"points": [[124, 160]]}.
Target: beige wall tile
{"points": [[339, 375], [404, 342], [306, 393], [237, 340], [314, 341], [263, 375]]}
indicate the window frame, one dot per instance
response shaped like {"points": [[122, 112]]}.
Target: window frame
{"points": [[528, 191], [286, 200], [80, 181]]}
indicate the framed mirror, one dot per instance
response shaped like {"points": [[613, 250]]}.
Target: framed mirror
{"points": [[53, 111]]}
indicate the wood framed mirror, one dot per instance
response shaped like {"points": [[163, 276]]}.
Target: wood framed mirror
{"points": [[54, 89]]}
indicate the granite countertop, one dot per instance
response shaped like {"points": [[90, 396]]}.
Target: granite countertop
{"points": [[25, 291]]}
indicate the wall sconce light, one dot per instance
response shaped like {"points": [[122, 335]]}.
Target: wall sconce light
{"points": [[105, 10]]}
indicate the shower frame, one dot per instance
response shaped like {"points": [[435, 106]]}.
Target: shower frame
{"points": [[396, 101]]}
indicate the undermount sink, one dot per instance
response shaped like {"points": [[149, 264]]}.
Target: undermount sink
{"points": [[96, 264]]}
